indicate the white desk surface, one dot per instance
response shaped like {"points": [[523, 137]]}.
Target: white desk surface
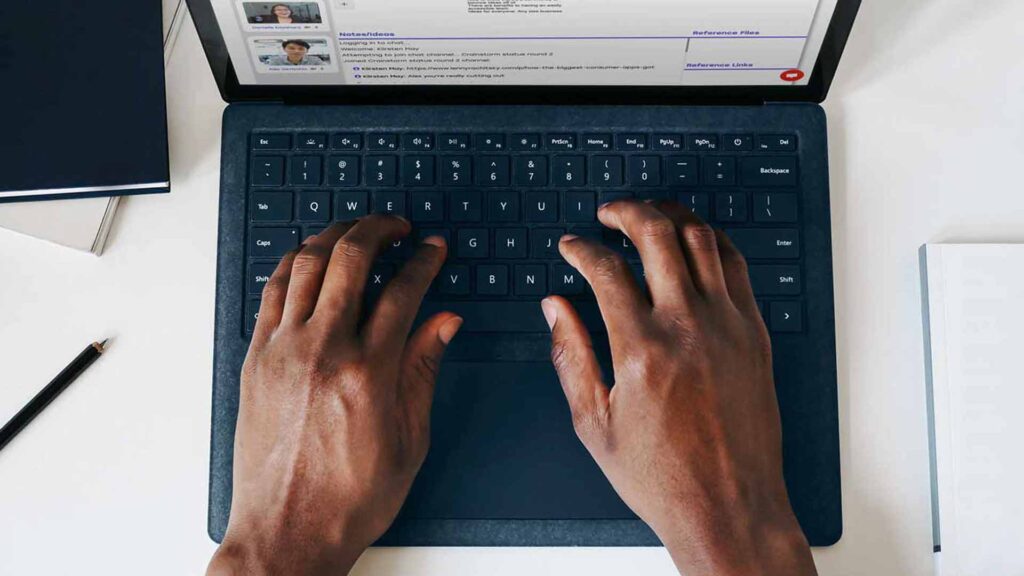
{"points": [[927, 144]]}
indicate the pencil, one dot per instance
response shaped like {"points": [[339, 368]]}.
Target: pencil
{"points": [[51, 391]]}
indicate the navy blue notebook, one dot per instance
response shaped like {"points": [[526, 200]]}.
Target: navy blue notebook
{"points": [[82, 99]]}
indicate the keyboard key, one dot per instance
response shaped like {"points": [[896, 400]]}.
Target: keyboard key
{"points": [[525, 142], [343, 171], [351, 205], [492, 280], [314, 206], [456, 171], [490, 142], [454, 280], [649, 194], [776, 143], [561, 141], [259, 275], [531, 171], [606, 171], [502, 206], [681, 170], [312, 231], [580, 207], [267, 171], [472, 243], [645, 170], [775, 280], [606, 197], [347, 141], [739, 143], [465, 206], [400, 250], [381, 141], [272, 242], [381, 170], [786, 317], [631, 142], [775, 208], [418, 170], [703, 142], [389, 203], [542, 207], [304, 170], [271, 207], [699, 204], [311, 142], [568, 171], [597, 142], [769, 171], [418, 142], [731, 207], [492, 171], [668, 142], [775, 244], [380, 274], [509, 318], [620, 243], [271, 142], [455, 142], [424, 233], [544, 243], [510, 243], [252, 315], [566, 280], [720, 171], [426, 206], [531, 280]]}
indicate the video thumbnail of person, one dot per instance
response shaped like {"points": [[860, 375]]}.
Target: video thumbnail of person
{"points": [[263, 16], [292, 54]]}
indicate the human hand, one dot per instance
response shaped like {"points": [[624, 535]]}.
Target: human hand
{"points": [[689, 436], [334, 418]]}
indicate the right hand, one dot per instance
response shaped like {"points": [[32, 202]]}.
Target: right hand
{"points": [[690, 435]]}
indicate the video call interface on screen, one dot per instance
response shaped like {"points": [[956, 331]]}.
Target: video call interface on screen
{"points": [[525, 42]]}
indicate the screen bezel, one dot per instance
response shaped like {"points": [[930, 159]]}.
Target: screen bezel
{"points": [[815, 91]]}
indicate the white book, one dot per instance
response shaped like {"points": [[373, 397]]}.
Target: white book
{"points": [[83, 224], [974, 332]]}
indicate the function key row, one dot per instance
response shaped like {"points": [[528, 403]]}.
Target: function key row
{"points": [[609, 171], [526, 142]]}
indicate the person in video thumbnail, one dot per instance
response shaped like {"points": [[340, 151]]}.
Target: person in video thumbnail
{"points": [[283, 14], [296, 53]]}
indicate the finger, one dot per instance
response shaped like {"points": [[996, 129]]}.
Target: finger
{"points": [[700, 247], [656, 238], [572, 353], [737, 279], [620, 299], [307, 275], [353, 254], [400, 301], [274, 293], [421, 360]]}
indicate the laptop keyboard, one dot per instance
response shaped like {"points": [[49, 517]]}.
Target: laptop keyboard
{"points": [[503, 200]]}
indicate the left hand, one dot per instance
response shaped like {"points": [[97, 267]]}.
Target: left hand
{"points": [[334, 420]]}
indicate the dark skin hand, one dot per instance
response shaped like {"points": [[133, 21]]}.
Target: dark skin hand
{"points": [[332, 431]]}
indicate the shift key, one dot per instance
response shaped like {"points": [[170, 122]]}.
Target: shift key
{"points": [[769, 171], [776, 280], [272, 242]]}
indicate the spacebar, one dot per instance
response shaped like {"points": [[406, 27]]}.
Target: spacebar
{"points": [[507, 317]]}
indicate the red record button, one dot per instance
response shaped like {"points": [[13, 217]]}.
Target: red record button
{"points": [[793, 75]]}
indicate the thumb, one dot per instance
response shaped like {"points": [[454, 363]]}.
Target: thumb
{"points": [[572, 353], [422, 357]]}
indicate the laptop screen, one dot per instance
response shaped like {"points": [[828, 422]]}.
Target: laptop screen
{"points": [[525, 42]]}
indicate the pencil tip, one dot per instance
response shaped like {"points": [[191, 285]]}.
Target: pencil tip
{"points": [[103, 344]]}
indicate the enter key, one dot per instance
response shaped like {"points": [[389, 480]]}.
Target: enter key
{"points": [[766, 243]]}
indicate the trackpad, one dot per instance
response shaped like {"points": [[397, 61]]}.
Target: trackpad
{"points": [[503, 447]]}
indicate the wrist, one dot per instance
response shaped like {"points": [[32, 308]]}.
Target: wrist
{"points": [[767, 541], [244, 556]]}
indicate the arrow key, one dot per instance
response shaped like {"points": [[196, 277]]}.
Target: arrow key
{"points": [[786, 317]]}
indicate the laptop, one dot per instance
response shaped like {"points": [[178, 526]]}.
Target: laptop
{"points": [[503, 125]]}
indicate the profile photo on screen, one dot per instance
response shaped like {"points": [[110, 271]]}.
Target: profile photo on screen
{"points": [[268, 13], [283, 54]]}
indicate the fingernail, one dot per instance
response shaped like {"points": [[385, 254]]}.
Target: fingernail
{"points": [[568, 237], [550, 312], [435, 241], [603, 206], [449, 329]]}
